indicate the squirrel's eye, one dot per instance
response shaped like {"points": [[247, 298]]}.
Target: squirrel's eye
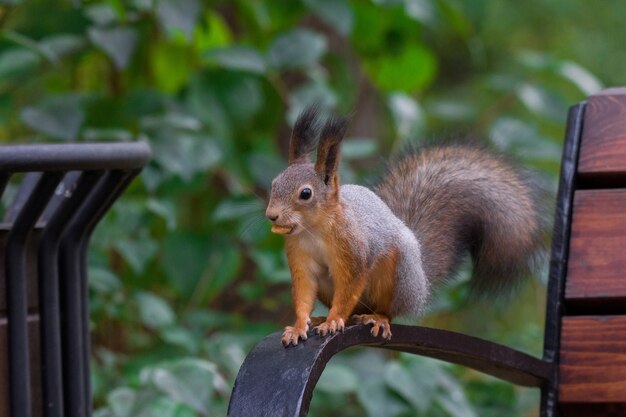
{"points": [[305, 194]]}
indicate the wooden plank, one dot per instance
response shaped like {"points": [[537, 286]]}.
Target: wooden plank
{"points": [[593, 410], [593, 360], [603, 146], [597, 257], [35, 360]]}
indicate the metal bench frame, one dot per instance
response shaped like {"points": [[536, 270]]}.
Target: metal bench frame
{"points": [[65, 193]]}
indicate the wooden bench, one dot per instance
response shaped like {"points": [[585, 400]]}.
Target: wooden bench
{"points": [[44, 317], [583, 368]]}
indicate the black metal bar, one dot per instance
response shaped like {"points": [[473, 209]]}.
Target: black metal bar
{"points": [[74, 156], [82, 256], [293, 372], [17, 300], [559, 256], [74, 290], [27, 185], [4, 180], [64, 190], [67, 200]]}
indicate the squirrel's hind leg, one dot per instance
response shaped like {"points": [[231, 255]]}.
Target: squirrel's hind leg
{"points": [[378, 322]]}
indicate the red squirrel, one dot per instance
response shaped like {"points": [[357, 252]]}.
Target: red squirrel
{"points": [[375, 255]]}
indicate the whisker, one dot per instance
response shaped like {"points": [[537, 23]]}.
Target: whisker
{"points": [[254, 221], [250, 226]]}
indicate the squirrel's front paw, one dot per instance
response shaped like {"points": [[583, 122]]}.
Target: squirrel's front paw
{"points": [[330, 326], [292, 334]]}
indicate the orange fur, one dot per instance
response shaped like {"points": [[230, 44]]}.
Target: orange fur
{"points": [[381, 284], [355, 287], [304, 288]]}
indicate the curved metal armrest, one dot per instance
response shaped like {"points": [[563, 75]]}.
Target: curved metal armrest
{"points": [[278, 381]]}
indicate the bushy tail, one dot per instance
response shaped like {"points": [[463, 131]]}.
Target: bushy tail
{"points": [[460, 200]]}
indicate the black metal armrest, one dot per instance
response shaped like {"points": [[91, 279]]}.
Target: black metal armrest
{"points": [[277, 381]]}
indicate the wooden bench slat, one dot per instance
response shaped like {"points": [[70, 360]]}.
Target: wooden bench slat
{"points": [[603, 146], [593, 359], [595, 410], [597, 259]]}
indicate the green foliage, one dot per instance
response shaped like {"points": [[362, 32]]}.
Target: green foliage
{"points": [[184, 274]]}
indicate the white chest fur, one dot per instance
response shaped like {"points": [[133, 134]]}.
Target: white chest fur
{"points": [[318, 264], [315, 248]]}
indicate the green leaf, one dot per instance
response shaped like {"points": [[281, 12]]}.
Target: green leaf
{"points": [[299, 48], [357, 148], [33, 45], [226, 102], [103, 281], [264, 167], [154, 311], [185, 154], [452, 398], [102, 14], [118, 43], [212, 32], [179, 336], [408, 116], [166, 210], [452, 109], [520, 138], [337, 13], [224, 263], [172, 66], [412, 69], [408, 386], [542, 102], [175, 15], [317, 91], [59, 117], [233, 209], [272, 265], [102, 135], [137, 252], [188, 381], [587, 82], [239, 58], [185, 259], [421, 10], [122, 402], [377, 402], [338, 379], [16, 63]]}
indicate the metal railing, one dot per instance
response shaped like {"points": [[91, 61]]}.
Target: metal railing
{"points": [[65, 191]]}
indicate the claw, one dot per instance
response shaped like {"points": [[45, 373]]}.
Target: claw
{"points": [[377, 321], [330, 327], [292, 334]]}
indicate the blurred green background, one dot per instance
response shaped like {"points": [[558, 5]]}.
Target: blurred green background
{"points": [[184, 274]]}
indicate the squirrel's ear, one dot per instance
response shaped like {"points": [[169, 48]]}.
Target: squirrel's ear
{"points": [[328, 148], [304, 135]]}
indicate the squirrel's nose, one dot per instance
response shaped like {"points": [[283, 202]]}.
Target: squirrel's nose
{"points": [[273, 217]]}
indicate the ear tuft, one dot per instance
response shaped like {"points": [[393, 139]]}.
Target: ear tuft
{"points": [[328, 149], [304, 136]]}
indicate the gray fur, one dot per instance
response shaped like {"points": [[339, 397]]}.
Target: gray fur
{"points": [[383, 230], [460, 200]]}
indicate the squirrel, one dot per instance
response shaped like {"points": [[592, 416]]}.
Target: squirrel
{"points": [[371, 256]]}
